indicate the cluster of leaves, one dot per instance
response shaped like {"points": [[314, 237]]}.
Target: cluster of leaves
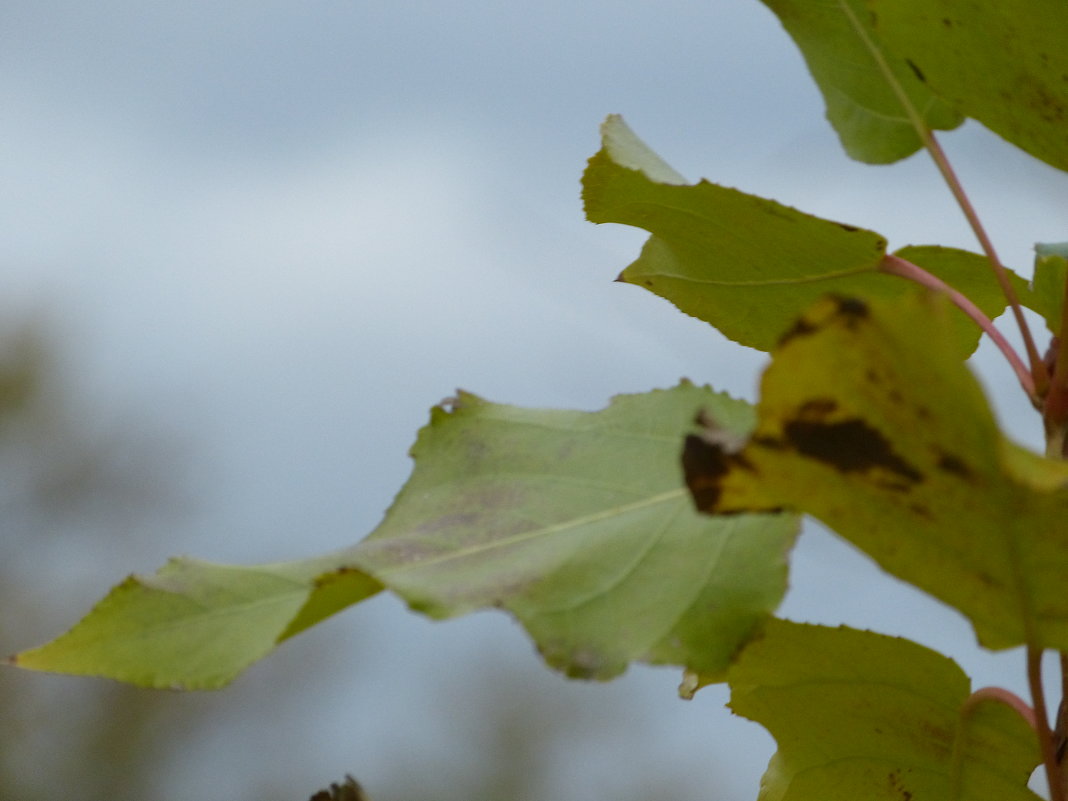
{"points": [[584, 527]]}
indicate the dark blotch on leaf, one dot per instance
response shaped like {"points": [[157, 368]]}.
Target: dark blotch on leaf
{"points": [[891, 484], [704, 465], [851, 446], [768, 442], [817, 409], [849, 310], [852, 309], [953, 464], [916, 70], [897, 786], [800, 328]]}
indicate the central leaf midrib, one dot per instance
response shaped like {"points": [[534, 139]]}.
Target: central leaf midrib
{"points": [[542, 531]]}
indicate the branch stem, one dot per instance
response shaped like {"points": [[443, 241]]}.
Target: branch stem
{"points": [[1054, 774], [1038, 371], [1039, 377], [895, 265]]}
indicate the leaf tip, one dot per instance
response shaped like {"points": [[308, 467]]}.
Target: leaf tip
{"points": [[611, 121], [458, 401]]}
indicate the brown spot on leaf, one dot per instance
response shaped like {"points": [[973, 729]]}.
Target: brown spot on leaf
{"points": [[920, 510], [852, 310], [851, 446], [801, 328], [768, 442], [848, 310], [817, 409], [328, 577], [704, 466], [891, 484], [898, 787], [955, 465], [938, 739]]}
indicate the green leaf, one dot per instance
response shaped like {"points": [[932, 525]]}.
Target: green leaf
{"points": [[843, 53], [859, 715], [747, 265], [970, 274], [1046, 292], [578, 524], [195, 625], [868, 421], [1002, 62]]}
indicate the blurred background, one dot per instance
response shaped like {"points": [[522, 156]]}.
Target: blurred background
{"points": [[246, 246]]}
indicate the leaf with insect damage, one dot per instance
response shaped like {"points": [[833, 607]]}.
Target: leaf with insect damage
{"points": [[869, 422]]}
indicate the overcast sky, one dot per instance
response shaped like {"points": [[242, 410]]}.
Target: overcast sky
{"points": [[282, 231]]}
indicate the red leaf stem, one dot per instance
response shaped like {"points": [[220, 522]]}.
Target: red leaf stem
{"points": [[894, 265]]}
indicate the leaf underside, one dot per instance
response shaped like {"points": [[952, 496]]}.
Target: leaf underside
{"points": [[195, 625], [576, 523], [580, 526]]}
